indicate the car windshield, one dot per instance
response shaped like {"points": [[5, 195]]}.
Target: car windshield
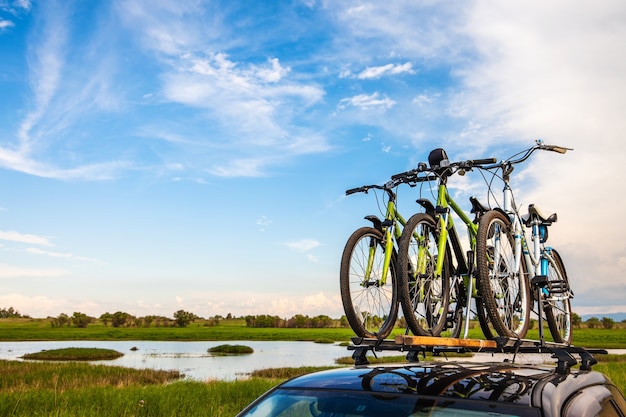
{"points": [[323, 403]]}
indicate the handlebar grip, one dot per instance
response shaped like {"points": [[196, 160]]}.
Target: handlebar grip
{"points": [[485, 161], [354, 190], [404, 175], [556, 148]]}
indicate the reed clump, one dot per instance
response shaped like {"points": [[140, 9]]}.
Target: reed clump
{"points": [[231, 350], [74, 354]]}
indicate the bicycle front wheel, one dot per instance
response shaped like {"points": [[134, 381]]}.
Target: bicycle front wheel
{"points": [[369, 300], [556, 302], [424, 296], [502, 284]]}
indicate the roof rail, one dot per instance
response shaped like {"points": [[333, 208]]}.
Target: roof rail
{"points": [[414, 345]]}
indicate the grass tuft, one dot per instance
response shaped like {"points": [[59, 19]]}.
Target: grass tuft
{"points": [[231, 350], [74, 354]]}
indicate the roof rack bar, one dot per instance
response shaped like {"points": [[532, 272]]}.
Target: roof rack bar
{"points": [[413, 345]]}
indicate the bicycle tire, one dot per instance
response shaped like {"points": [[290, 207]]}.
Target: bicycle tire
{"points": [[556, 306], [371, 309], [423, 298], [505, 292]]}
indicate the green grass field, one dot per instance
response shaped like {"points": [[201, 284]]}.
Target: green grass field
{"points": [[230, 330], [78, 389]]}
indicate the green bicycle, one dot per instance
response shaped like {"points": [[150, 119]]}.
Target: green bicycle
{"points": [[369, 272], [438, 276]]}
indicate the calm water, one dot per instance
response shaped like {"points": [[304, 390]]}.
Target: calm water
{"points": [[192, 358]]}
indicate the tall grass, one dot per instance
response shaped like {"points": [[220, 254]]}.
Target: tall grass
{"points": [[83, 390]]}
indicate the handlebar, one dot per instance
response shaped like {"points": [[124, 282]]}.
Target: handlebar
{"points": [[526, 153], [461, 165], [441, 172]]}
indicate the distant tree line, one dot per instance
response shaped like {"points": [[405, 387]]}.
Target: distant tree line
{"points": [[182, 318], [10, 313], [297, 321]]}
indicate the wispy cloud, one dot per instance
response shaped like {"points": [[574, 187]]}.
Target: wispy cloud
{"points": [[14, 236], [46, 63], [303, 245], [4, 24], [380, 71], [367, 101], [53, 254]]}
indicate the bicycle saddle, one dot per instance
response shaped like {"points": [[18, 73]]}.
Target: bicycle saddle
{"points": [[533, 212]]}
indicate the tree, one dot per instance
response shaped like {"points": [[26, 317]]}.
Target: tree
{"points": [[576, 320], [81, 320], [106, 318], [119, 318], [62, 320], [607, 322], [593, 322], [183, 318], [9, 313], [321, 321]]}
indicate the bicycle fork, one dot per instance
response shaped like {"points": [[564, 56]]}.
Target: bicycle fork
{"points": [[373, 247]]}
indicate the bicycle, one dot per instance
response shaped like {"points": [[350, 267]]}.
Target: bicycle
{"points": [[504, 257], [368, 273], [431, 256]]}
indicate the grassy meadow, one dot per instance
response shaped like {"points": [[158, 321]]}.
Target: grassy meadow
{"points": [[72, 389], [236, 329]]}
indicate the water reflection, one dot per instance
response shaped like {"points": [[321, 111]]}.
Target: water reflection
{"points": [[192, 358]]}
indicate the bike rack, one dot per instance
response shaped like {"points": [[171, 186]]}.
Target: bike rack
{"points": [[414, 345]]}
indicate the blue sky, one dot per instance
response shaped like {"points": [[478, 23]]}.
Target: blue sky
{"points": [[159, 155]]}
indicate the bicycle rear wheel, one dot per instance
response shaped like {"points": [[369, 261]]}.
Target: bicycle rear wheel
{"points": [[556, 303], [424, 297], [371, 305], [503, 287]]}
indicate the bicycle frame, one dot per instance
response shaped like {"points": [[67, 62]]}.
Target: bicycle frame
{"points": [[538, 259], [392, 218], [449, 234]]}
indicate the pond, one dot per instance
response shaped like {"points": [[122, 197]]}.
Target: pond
{"points": [[193, 359]]}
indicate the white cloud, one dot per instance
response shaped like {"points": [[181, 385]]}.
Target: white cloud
{"points": [[14, 236], [36, 306], [273, 74], [558, 75], [384, 70], [303, 245], [4, 24], [239, 168], [263, 222], [365, 101], [37, 251]]}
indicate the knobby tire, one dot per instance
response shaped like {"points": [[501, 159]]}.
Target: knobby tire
{"points": [[424, 298], [371, 308], [505, 292]]}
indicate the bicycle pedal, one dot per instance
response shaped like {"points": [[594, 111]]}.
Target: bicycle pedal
{"points": [[539, 281], [558, 287]]}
